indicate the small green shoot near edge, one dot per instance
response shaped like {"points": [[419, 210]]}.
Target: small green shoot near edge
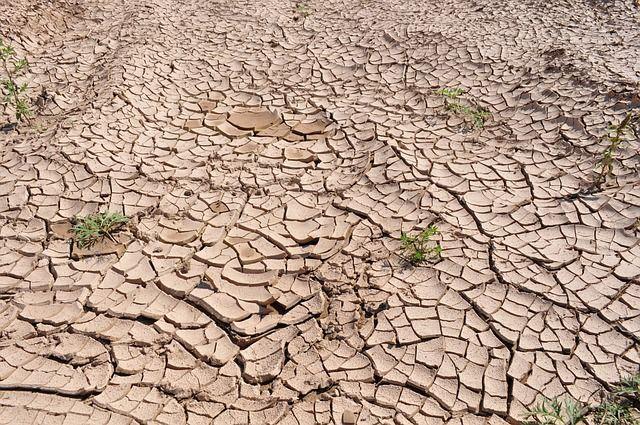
{"points": [[616, 136], [450, 93], [629, 386], [302, 9], [477, 114], [618, 407], [421, 248], [92, 228], [615, 412], [556, 412], [14, 93]]}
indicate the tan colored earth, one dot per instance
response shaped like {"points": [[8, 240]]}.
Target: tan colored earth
{"points": [[269, 156]]}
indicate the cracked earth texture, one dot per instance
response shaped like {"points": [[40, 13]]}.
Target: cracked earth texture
{"points": [[269, 162]]}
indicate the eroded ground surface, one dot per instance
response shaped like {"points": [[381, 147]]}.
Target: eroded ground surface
{"points": [[269, 161]]}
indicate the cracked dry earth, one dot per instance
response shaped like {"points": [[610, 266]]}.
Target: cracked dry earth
{"points": [[269, 162]]}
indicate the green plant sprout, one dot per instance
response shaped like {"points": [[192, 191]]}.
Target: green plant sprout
{"points": [[14, 93], [629, 386], [615, 412], [302, 9], [92, 228], [477, 114], [616, 136], [420, 248], [618, 407], [556, 412], [453, 93]]}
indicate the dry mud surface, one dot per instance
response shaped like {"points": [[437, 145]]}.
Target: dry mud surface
{"points": [[269, 161]]}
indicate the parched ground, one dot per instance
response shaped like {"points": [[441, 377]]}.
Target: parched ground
{"points": [[269, 159]]}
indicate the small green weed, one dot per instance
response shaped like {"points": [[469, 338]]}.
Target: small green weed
{"points": [[452, 101], [616, 135], [629, 386], [40, 128], [14, 93], [556, 412], [615, 412], [420, 248], [92, 228], [616, 408], [303, 10], [450, 93], [478, 115]]}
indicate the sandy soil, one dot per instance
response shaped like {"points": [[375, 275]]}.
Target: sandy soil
{"points": [[269, 158]]}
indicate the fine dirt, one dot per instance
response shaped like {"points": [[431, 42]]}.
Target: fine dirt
{"points": [[270, 157]]}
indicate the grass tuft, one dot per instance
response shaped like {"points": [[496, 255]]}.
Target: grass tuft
{"points": [[94, 227], [476, 114], [556, 412], [421, 248], [14, 93], [303, 10], [629, 386], [616, 135], [616, 408], [451, 93], [615, 412]]}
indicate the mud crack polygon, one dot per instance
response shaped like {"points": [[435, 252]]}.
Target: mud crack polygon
{"points": [[269, 162]]}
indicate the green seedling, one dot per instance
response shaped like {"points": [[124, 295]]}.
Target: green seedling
{"points": [[303, 10], [477, 115], [556, 412], [616, 135], [40, 128], [614, 412], [616, 408], [453, 93], [14, 93], [628, 387], [452, 101], [94, 227], [421, 248]]}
